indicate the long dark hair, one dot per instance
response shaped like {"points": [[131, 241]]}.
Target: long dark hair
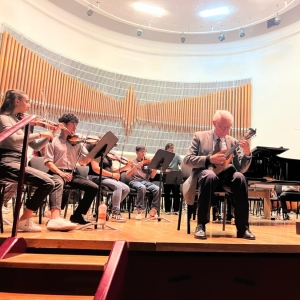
{"points": [[9, 103]]}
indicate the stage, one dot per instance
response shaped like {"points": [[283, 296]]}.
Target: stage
{"points": [[163, 262], [275, 236]]}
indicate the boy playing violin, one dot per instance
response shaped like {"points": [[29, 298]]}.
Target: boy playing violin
{"points": [[61, 157], [140, 175]]}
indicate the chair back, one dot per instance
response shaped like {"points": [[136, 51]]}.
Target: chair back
{"points": [[38, 163], [124, 179], [278, 189], [82, 171]]}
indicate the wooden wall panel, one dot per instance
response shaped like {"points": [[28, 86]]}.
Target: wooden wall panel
{"points": [[54, 93]]}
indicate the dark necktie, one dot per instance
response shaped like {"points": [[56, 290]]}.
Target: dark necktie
{"points": [[217, 146]]}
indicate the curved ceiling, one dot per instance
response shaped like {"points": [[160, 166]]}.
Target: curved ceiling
{"points": [[181, 17]]}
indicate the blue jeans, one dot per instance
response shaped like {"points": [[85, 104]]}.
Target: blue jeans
{"points": [[120, 191], [141, 188]]}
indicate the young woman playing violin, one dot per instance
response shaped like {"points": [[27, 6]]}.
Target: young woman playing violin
{"points": [[17, 102], [110, 178]]}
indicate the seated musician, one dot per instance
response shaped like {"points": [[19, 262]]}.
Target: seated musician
{"points": [[287, 188], [204, 156], [61, 158], [111, 179], [140, 175], [17, 102], [174, 188]]}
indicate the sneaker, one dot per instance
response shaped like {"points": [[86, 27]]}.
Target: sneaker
{"points": [[153, 212], [176, 213], [167, 213], [60, 224], [139, 215], [29, 226], [118, 218], [5, 210]]}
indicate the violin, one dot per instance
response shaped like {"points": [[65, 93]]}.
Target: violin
{"points": [[114, 156], [146, 160], [75, 139], [41, 122]]}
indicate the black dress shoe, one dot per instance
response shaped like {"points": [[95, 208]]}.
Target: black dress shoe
{"points": [[79, 219], [247, 234], [200, 232]]}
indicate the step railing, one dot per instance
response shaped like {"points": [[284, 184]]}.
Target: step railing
{"points": [[13, 245], [111, 283]]}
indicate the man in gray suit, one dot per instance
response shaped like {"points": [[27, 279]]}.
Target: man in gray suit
{"points": [[207, 160]]}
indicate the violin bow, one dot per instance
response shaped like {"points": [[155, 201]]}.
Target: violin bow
{"points": [[45, 113], [122, 152]]}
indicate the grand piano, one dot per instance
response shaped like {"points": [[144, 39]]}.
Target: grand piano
{"points": [[268, 169], [267, 164]]}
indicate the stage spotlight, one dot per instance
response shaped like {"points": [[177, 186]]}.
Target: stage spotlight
{"points": [[139, 32], [221, 36], [182, 38], [242, 32], [277, 20], [90, 10]]}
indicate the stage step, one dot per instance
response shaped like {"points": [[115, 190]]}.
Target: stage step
{"points": [[51, 276], [55, 262], [16, 296]]}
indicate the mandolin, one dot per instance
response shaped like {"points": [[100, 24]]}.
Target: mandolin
{"points": [[229, 152]]}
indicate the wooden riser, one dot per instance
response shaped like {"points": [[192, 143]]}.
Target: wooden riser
{"points": [[16, 296], [55, 262], [49, 281]]}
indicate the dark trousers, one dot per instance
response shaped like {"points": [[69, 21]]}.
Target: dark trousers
{"points": [[209, 182], [288, 195], [78, 182], [10, 169], [167, 195]]}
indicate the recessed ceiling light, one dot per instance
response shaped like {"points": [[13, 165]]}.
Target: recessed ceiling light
{"points": [[153, 10], [214, 12]]}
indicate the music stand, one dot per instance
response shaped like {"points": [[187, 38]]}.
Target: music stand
{"points": [[161, 162], [97, 154]]}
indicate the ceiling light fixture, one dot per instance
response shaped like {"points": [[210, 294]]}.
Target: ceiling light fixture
{"points": [[221, 36], [90, 10], [153, 10], [214, 12], [182, 38], [242, 32], [277, 19]]}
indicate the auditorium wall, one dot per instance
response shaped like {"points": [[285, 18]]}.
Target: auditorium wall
{"points": [[271, 60]]}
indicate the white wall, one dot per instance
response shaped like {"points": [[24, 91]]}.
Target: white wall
{"points": [[272, 61]]}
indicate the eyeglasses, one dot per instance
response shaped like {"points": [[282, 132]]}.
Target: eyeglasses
{"points": [[224, 127]]}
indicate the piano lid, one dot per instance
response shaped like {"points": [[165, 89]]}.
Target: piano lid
{"points": [[266, 151]]}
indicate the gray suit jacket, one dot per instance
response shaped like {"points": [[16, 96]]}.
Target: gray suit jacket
{"points": [[201, 147]]}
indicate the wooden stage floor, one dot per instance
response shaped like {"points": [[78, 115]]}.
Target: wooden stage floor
{"points": [[271, 236]]}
